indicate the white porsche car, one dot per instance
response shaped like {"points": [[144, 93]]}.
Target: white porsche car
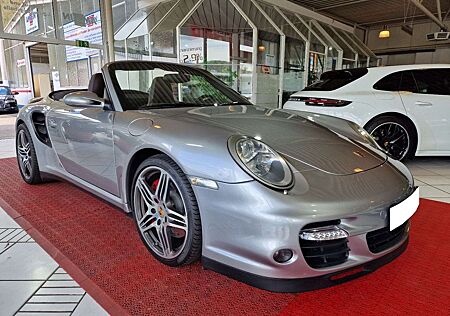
{"points": [[405, 108]]}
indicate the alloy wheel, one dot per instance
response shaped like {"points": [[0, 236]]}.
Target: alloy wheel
{"points": [[24, 152], [160, 212], [393, 138]]}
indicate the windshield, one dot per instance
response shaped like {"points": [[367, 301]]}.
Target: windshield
{"points": [[5, 91], [147, 85]]}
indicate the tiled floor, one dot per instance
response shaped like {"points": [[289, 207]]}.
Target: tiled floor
{"points": [[31, 283], [432, 175]]}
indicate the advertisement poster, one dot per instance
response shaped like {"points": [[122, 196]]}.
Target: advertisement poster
{"points": [[9, 9], [56, 81], [91, 32], [191, 50], [31, 21], [21, 63]]}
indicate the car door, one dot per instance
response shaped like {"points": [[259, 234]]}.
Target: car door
{"points": [[429, 103], [83, 141]]}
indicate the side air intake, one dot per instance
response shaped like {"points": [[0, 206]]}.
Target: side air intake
{"points": [[40, 127]]}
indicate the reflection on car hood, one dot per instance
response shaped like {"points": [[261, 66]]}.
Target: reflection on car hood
{"points": [[300, 140]]}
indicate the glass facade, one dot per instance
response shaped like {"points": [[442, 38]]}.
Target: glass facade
{"points": [[261, 49]]}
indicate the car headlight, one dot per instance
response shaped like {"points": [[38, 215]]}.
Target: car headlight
{"points": [[261, 161]]}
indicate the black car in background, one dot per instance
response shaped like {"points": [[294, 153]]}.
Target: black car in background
{"points": [[8, 102]]}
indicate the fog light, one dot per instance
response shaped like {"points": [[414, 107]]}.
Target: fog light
{"points": [[283, 255], [324, 233]]}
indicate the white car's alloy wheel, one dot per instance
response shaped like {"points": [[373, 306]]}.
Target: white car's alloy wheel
{"points": [[392, 137]]}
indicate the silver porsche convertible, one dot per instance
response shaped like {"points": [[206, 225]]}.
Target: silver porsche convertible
{"points": [[280, 200]]}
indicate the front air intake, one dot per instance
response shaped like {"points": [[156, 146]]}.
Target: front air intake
{"points": [[324, 246], [382, 239]]}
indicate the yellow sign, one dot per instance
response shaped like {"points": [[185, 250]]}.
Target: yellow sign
{"points": [[9, 8]]}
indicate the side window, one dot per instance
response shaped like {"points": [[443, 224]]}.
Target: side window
{"points": [[433, 81], [389, 83], [397, 81], [407, 82]]}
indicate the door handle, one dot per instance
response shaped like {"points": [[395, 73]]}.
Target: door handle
{"points": [[423, 103]]}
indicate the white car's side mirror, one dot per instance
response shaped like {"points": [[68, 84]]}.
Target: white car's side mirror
{"points": [[85, 99]]}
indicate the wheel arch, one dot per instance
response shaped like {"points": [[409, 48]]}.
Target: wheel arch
{"points": [[403, 117], [18, 122], [395, 114], [136, 159]]}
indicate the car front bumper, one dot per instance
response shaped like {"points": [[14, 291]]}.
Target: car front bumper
{"points": [[8, 106], [245, 224], [305, 284]]}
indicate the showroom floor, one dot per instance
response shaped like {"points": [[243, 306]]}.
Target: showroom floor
{"points": [[31, 281]]}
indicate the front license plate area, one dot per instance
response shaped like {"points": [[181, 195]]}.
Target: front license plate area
{"points": [[400, 213]]}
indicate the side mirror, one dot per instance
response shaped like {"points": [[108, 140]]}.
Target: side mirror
{"points": [[84, 99]]}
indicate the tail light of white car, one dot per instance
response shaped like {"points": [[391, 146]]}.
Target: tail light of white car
{"points": [[311, 101]]}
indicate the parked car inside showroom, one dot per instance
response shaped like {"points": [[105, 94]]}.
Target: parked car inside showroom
{"points": [[8, 102], [405, 108], [272, 198]]}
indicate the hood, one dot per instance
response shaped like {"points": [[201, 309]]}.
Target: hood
{"points": [[305, 144], [4, 97]]}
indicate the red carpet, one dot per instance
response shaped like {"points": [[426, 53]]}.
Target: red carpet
{"points": [[100, 247]]}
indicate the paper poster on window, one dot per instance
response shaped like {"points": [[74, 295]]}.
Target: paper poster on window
{"points": [[191, 50], [31, 21], [56, 80], [21, 63], [91, 32], [9, 9], [270, 60]]}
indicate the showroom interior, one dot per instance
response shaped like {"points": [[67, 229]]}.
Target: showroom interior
{"points": [[226, 157]]}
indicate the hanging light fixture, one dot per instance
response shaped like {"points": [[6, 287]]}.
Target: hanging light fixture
{"points": [[384, 33]]}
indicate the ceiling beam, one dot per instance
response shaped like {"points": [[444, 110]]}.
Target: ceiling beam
{"points": [[393, 20], [438, 8], [427, 12], [340, 5], [296, 8]]}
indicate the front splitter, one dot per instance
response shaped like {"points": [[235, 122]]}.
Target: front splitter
{"points": [[303, 284]]}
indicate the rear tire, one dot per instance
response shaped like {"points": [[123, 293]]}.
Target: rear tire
{"points": [[165, 211], [397, 136], [26, 156]]}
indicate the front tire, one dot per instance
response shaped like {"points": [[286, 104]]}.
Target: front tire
{"points": [[26, 156], [166, 212], [397, 136]]}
